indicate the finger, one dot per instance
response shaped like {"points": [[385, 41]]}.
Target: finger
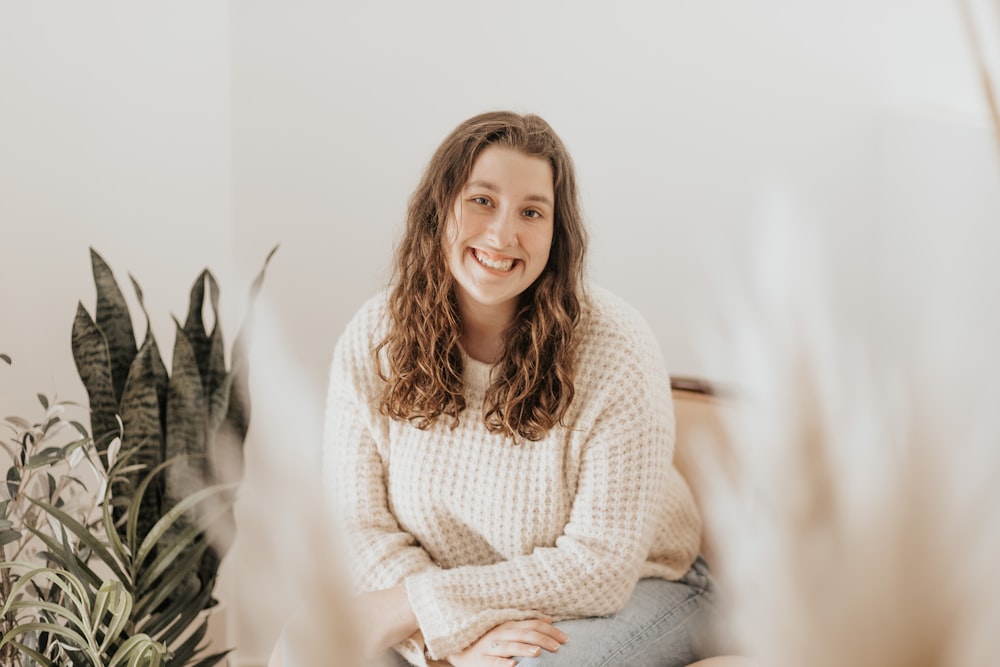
{"points": [[541, 640], [511, 649], [499, 646], [517, 629]]}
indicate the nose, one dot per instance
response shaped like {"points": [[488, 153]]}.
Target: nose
{"points": [[502, 231]]}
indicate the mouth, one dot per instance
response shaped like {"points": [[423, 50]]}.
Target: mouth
{"points": [[502, 264]]}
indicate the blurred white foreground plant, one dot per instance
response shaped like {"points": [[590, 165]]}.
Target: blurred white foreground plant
{"points": [[862, 528], [288, 577]]}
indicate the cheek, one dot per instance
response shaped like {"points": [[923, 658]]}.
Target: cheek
{"points": [[541, 242], [449, 238], [451, 247]]}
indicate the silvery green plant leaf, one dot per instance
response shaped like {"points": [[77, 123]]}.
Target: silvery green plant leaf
{"points": [[89, 626]]}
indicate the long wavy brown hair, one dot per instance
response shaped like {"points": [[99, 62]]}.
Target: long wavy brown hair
{"points": [[420, 358]]}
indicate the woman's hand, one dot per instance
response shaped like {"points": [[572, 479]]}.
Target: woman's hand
{"points": [[384, 618], [522, 639]]}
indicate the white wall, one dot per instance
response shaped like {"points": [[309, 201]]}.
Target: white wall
{"points": [[115, 132], [677, 115], [179, 135]]}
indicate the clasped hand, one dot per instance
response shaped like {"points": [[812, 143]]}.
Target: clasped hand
{"points": [[513, 639]]}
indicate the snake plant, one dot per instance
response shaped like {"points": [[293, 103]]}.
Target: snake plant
{"points": [[194, 416]]}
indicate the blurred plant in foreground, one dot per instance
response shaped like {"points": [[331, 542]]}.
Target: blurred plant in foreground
{"points": [[862, 529]]}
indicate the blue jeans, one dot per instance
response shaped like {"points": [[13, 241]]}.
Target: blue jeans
{"points": [[663, 624]]}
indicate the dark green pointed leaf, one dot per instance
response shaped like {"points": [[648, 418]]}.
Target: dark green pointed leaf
{"points": [[218, 404], [93, 363], [43, 399], [7, 359], [158, 370], [75, 567], [50, 423], [215, 373], [8, 536], [85, 536], [184, 652], [187, 422], [167, 555], [212, 660], [140, 412], [13, 481], [80, 429], [46, 457], [62, 558], [175, 516], [211, 560], [115, 322], [38, 658], [179, 585], [135, 500], [194, 326], [181, 612]]}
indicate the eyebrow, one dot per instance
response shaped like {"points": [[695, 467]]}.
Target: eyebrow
{"points": [[489, 186]]}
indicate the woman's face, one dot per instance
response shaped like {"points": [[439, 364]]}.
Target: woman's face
{"points": [[499, 234]]}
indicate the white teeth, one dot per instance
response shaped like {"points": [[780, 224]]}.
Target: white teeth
{"points": [[496, 265]]}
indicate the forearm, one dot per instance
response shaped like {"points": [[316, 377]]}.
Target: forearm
{"points": [[574, 579]]}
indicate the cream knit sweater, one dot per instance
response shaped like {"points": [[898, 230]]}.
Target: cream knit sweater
{"points": [[481, 530]]}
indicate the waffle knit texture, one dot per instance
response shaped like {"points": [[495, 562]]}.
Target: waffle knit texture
{"points": [[482, 530]]}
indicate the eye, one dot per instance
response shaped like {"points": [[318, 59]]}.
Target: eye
{"points": [[532, 213], [482, 201]]}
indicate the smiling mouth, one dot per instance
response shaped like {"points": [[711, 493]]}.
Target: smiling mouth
{"points": [[494, 264]]}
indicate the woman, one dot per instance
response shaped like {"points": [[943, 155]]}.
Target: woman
{"points": [[499, 434]]}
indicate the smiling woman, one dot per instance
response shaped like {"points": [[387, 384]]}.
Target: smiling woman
{"points": [[500, 434]]}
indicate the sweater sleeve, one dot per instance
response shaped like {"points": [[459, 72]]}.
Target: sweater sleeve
{"points": [[594, 565], [380, 553]]}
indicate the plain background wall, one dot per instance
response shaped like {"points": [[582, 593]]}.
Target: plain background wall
{"points": [[180, 135], [115, 133]]}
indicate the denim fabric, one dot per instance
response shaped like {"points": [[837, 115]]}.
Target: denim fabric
{"points": [[664, 624]]}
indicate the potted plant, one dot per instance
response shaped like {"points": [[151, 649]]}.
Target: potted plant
{"points": [[182, 431], [71, 591], [46, 461]]}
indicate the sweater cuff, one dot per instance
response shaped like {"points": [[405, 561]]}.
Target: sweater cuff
{"points": [[414, 649], [438, 627], [448, 628]]}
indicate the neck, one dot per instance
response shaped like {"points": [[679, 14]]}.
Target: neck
{"points": [[483, 328]]}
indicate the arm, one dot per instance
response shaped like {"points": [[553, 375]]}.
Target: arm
{"points": [[381, 555], [620, 500]]}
